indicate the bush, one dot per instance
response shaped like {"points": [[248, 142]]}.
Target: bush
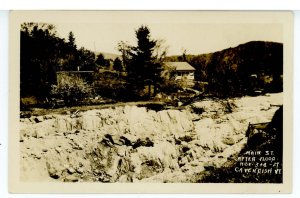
{"points": [[29, 101], [71, 89], [111, 85], [200, 86], [169, 86]]}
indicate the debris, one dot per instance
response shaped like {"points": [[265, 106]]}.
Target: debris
{"points": [[143, 142], [54, 173], [75, 114], [228, 141], [39, 119], [71, 178], [130, 143], [58, 149], [71, 170], [128, 139], [80, 170]]}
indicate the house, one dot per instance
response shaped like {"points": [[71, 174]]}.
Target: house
{"points": [[180, 70]]}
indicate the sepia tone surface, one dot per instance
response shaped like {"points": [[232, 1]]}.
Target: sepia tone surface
{"points": [[221, 125]]}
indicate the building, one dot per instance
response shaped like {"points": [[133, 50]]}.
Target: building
{"points": [[180, 70]]}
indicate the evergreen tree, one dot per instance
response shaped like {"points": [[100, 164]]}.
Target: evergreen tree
{"points": [[118, 65], [143, 68], [86, 59], [71, 62], [41, 51], [101, 61], [71, 40]]}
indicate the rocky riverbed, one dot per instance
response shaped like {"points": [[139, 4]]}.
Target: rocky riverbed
{"points": [[137, 144]]}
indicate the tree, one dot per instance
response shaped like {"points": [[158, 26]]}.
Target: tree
{"points": [[71, 56], [86, 59], [160, 51], [143, 68], [118, 65], [101, 61], [71, 40], [183, 57], [125, 50], [41, 51]]}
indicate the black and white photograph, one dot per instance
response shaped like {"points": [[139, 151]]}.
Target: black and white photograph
{"points": [[151, 97]]}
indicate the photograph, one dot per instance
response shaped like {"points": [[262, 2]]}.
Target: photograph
{"points": [[173, 101]]}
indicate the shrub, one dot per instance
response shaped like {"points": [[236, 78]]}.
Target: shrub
{"points": [[29, 101], [111, 85], [71, 89], [200, 86], [169, 86]]}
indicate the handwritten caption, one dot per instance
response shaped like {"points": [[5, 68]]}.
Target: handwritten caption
{"points": [[258, 162]]}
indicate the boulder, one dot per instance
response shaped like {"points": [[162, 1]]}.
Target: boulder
{"points": [[228, 141], [109, 161], [53, 172], [58, 149], [183, 161], [89, 121], [148, 161], [80, 170], [32, 119], [143, 142], [125, 179], [71, 170], [128, 139], [71, 178], [47, 117], [150, 168], [186, 138], [122, 150], [112, 165], [113, 139], [39, 119]]}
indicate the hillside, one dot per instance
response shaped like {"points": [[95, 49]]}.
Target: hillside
{"points": [[256, 65]]}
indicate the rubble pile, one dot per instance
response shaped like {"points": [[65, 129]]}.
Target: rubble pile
{"points": [[136, 144]]}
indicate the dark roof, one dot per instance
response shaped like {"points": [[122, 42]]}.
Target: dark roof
{"points": [[180, 66]]}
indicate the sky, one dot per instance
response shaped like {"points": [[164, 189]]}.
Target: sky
{"points": [[194, 37]]}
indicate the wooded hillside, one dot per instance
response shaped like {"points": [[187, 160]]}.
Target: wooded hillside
{"points": [[255, 65]]}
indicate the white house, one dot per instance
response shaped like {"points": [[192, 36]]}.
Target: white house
{"points": [[181, 70]]}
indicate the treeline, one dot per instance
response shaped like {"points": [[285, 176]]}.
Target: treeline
{"points": [[255, 65], [137, 74], [142, 65], [43, 53]]}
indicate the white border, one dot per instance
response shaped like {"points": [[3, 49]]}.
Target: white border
{"points": [[4, 128], [3, 102], [152, 4]]}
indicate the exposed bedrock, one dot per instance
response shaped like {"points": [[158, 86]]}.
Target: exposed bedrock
{"points": [[135, 144]]}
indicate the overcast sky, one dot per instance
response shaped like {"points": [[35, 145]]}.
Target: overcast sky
{"points": [[196, 38]]}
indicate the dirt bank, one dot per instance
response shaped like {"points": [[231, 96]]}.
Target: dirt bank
{"points": [[136, 144]]}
